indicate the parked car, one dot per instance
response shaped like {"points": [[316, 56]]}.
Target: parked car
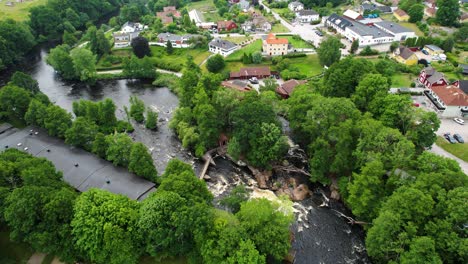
{"points": [[459, 121], [319, 33], [253, 80], [425, 52], [458, 138], [450, 138]]}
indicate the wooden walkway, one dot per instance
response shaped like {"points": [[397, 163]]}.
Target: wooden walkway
{"points": [[208, 158]]}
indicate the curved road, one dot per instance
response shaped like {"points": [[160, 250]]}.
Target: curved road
{"points": [[440, 151]]}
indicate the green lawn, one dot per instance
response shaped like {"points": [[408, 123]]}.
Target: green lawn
{"points": [[279, 28], [458, 150], [207, 9], [251, 48], [11, 252], [161, 59], [297, 43], [413, 27], [401, 80], [20, 11], [237, 40]]}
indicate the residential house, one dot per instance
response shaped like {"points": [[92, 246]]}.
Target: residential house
{"points": [[273, 46], [295, 6], [367, 35], [430, 78], [450, 100], [236, 85], [401, 15], [121, 39], [462, 84], [430, 3], [258, 23], [129, 31], [248, 73], [307, 16], [177, 41], [368, 7], [399, 33], [285, 90], [130, 27], [244, 4], [226, 25], [430, 11], [433, 50], [350, 14], [222, 47], [406, 56], [168, 14]]}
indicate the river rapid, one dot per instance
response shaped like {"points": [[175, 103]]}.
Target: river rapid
{"points": [[320, 234]]}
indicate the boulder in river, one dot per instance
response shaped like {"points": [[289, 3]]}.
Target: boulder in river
{"points": [[300, 193]]}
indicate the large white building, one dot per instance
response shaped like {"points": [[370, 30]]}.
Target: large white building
{"points": [[222, 47], [295, 6], [367, 35], [399, 33], [307, 16]]}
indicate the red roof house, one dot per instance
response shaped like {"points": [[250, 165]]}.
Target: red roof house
{"points": [[226, 25], [247, 73], [167, 15], [429, 77], [286, 89]]}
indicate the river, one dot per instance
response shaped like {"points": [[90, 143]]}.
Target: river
{"points": [[321, 236]]}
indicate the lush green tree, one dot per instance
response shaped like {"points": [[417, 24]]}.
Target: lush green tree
{"points": [[103, 45], [461, 34], [137, 109], [422, 250], [344, 76], [237, 196], [448, 12], [59, 58], [168, 224], [82, 133], [41, 216], [140, 47], [72, 17], [119, 149], [138, 68], [91, 34], [57, 121], [257, 57], [424, 126], [366, 191], [169, 48], [141, 162], [180, 178], [151, 119], [416, 13], [246, 254], [370, 92], [354, 46], [45, 22], [15, 41], [14, 102], [266, 226], [24, 81], [270, 146], [329, 51], [84, 63], [395, 111], [104, 226], [215, 63], [36, 113], [69, 38], [100, 145], [448, 43]]}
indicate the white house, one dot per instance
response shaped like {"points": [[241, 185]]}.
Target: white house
{"points": [[367, 35], [222, 47], [121, 39], [399, 33], [177, 41], [295, 6], [130, 27], [307, 16], [244, 4]]}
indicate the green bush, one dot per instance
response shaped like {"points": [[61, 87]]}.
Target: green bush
{"points": [[294, 55]]}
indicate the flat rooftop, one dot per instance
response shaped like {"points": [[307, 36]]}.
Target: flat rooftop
{"points": [[91, 172]]}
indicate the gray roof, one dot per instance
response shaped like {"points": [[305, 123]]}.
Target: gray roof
{"points": [[296, 3], [435, 77], [463, 84], [339, 21], [221, 43], [434, 47], [405, 52], [464, 68], [360, 29], [306, 12], [372, 7], [429, 70], [92, 171], [172, 37], [392, 27]]}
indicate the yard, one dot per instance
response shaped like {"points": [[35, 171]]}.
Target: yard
{"points": [[207, 9], [160, 58], [20, 11], [251, 48], [237, 40], [402, 80], [459, 150], [413, 27], [297, 42], [279, 28]]}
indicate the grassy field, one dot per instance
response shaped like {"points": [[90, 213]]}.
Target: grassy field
{"points": [[251, 48], [297, 43], [11, 252], [20, 11], [413, 27], [279, 28], [161, 59], [207, 9], [402, 80], [458, 150], [237, 40]]}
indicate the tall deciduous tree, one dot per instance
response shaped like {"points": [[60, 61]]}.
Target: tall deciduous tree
{"points": [[14, 102], [329, 51], [448, 12], [59, 58], [84, 63], [151, 119], [141, 162], [169, 48], [104, 227], [140, 47], [36, 113], [57, 121], [416, 13], [25, 81], [370, 92], [81, 133], [215, 63], [119, 149]]}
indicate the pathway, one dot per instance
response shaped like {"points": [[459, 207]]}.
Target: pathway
{"points": [[440, 151], [36, 258], [178, 74]]}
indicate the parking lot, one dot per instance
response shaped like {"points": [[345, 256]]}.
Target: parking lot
{"points": [[449, 126]]}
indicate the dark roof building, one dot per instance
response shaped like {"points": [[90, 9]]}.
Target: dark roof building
{"points": [[247, 73], [286, 89], [306, 12]]}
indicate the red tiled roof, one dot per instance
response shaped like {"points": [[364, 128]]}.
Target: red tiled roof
{"points": [[431, 10], [166, 17], [288, 87], [225, 24], [252, 71], [451, 95], [400, 12], [271, 39]]}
